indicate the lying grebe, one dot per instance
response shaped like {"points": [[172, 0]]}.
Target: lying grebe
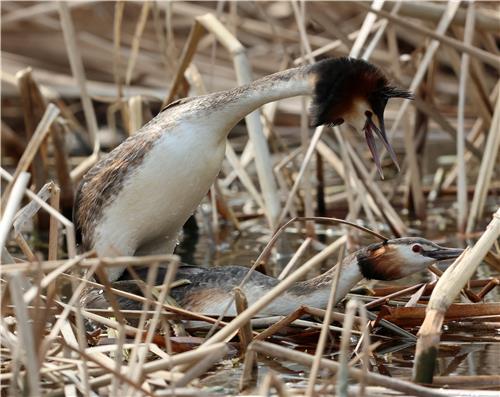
{"points": [[209, 290], [140, 195]]}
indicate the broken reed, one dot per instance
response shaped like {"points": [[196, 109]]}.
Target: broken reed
{"points": [[128, 97]]}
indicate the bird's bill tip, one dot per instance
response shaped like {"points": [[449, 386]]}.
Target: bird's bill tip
{"points": [[445, 253], [369, 128], [370, 141]]}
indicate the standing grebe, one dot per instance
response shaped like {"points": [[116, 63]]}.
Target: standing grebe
{"points": [[209, 290], [140, 195]]}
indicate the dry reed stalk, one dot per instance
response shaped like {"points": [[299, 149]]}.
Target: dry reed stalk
{"points": [[245, 332], [280, 324], [117, 62], [34, 11], [342, 376], [215, 224], [32, 111], [242, 174], [371, 378], [166, 363], [35, 100], [11, 206], [334, 45], [476, 381], [378, 35], [296, 256], [25, 248], [306, 178], [464, 72], [136, 372], [224, 207], [201, 366], [411, 316], [353, 185], [271, 380], [473, 142], [304, 124], [55, 194], [445, 292], [349, 178], [434, 11], [136, 40], [115, 307], [486, 169], [138, 352], [71, 308], [368, 348], [108, 369], [62, 320], [331, 157], [82, 345], [87, 263], [162, 45], [250, 371], [9, 137], [50, 278], [255, 131], [424, 63], [24, 215], [305, 163], [78, 71], [135, 113], [387, 209], [324, 329], [365, 29], [415, 184], [280, 169], [384, 299], [62, 166], [25, 331], [438, 35], [443, 123], [479, 101], [32, 148], [250, 25]]}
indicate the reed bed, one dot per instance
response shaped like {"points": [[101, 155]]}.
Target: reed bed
{"points": [[79, 77]]}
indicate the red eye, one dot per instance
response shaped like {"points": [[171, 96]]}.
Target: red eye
{"points": [[416, 248]]}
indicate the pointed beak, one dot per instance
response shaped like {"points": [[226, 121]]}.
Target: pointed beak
{"points": [[369, 128], [444, 253]]}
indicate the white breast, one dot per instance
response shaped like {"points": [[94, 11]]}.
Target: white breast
{"points": [[161, 193]]}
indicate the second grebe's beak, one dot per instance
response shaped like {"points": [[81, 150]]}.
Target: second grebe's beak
{"points": [[369, 128], [443, 253]]}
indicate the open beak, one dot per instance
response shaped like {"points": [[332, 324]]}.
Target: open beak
{"points": [[369, 128], [444, 253]]}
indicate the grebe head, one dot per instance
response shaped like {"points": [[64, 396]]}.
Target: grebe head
{"points": [[355, 92], [401, 257]]}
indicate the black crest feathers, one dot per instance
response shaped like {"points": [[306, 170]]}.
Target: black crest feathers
{"points": [[339, 81]]}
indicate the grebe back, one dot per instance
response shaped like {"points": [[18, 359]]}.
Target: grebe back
{"points": [[209, 290]]}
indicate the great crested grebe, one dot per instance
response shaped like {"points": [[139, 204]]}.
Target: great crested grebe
{"points": [[140, 194], [209, 290]]}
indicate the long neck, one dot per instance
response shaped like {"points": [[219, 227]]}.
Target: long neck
{"points": [[316, 291], [227, 108]]}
